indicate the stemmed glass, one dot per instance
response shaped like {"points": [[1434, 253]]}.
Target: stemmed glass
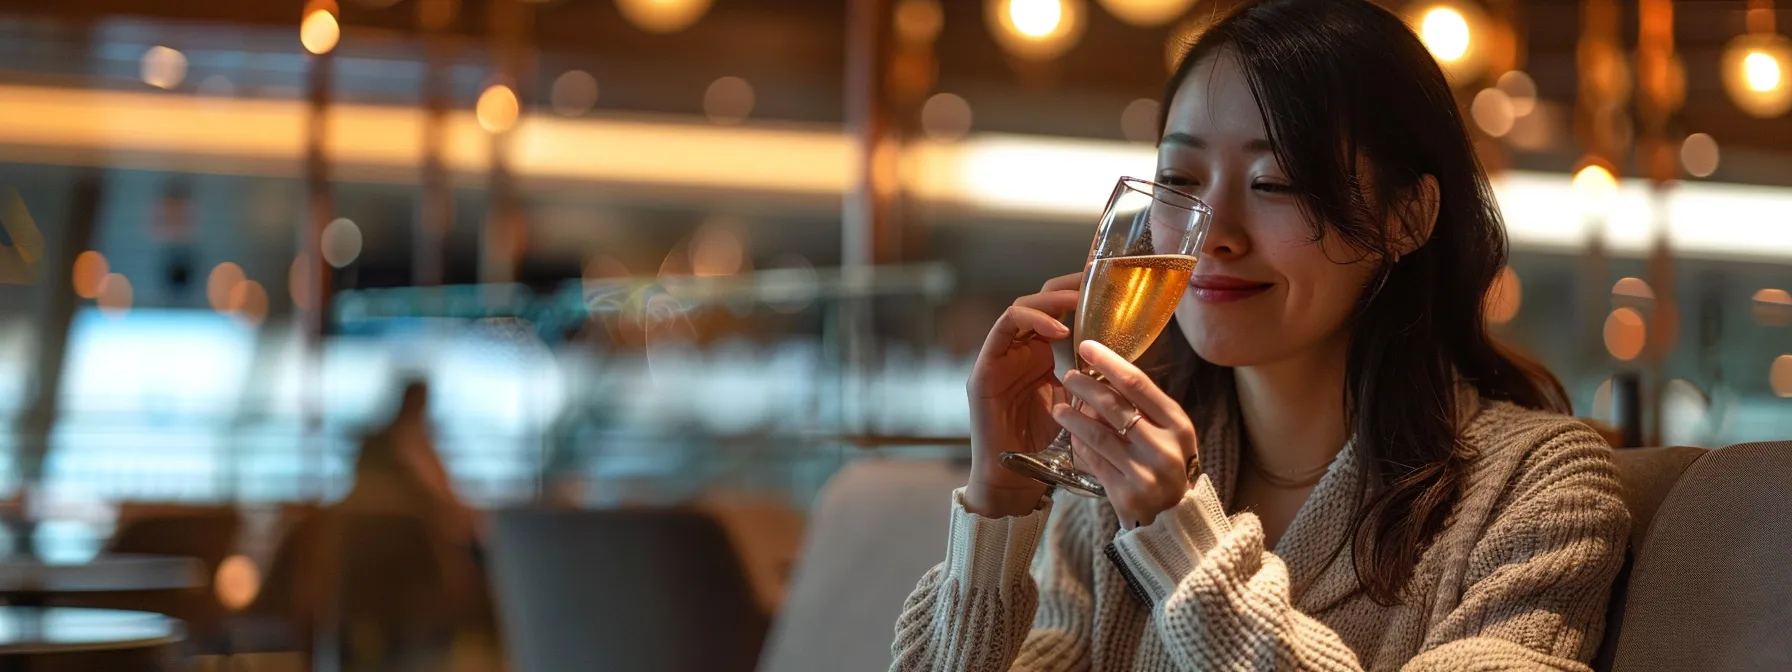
{"points": [[1139, 265]]}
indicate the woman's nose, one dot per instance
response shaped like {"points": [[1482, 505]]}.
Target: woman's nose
{"points": [[1226, 236]]}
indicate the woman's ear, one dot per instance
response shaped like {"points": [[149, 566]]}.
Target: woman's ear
{"points": [[1415, 219]]}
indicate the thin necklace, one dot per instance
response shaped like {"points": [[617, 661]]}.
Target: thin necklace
{"points": [[1296, 482]]}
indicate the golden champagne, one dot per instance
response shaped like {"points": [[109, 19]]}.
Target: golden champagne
{"points": [[1127, 300]]}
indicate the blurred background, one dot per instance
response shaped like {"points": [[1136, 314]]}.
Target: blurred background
{"points": [[702, 254]]}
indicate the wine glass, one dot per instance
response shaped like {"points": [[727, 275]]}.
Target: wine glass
{"points": [[1139, 265]]}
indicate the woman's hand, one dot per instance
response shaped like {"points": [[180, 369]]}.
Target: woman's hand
{"points": [[1146, 471], [1012, 389]]}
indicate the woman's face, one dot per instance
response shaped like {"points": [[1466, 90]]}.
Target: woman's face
{"points": [[1264, 290]]}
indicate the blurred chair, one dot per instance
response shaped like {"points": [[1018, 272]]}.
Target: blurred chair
{"points": [[388, 593], [1712, 584], [767, 532], [1647, 474], [206, 533], [645, 590], [875, 529]]}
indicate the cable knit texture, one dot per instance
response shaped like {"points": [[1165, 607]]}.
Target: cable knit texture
{"points": [[1518, 579]]}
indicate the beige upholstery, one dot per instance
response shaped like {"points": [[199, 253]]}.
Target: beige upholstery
{"points": [[876, 528], [1712, 585]]}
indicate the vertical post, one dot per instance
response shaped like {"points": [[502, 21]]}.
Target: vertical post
{"points": [[500, 241], [867, 225], [1656, 105], [435, 203], [1595, 117], [319, 210]]}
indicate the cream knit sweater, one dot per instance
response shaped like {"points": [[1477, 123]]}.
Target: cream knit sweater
{"points": [[1518, 579]]}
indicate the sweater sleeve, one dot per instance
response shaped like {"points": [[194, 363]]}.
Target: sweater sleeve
{"points": [[1013, 594], [1534, 599]]}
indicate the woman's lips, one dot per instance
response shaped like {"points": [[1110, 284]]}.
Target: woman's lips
{"points": [[1224, 288]]}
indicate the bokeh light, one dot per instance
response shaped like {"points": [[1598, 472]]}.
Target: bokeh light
{"points": [[1147, 13], [497, 109], [1493, 112], [1505, 297], [1633, 288], [790, 284], [663, 16], [1520, 89], [1699, 155], [1445, 32], [1760, 71], [237, 582], [1780, 376], [716, 249], [1773, 307], [574, 93], [728, 101], [220, 283], [919, 21], [216, 86], [1595, 188], [1625, 333], [341, 243], [1037, 30], [1683, 410], [249, 302], [1755, 73], [319, 32], [115, 295], [945, 117], [163, 67], [90, 273], [1138, 122]]}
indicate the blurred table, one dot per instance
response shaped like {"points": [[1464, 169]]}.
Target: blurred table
{"points": [[54, 639], [28, 582]]}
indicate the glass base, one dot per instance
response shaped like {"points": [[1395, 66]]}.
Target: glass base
{"points": [[1054, 468]]}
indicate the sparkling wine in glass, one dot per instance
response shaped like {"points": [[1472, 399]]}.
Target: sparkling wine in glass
{"points": [[1139, 265]]}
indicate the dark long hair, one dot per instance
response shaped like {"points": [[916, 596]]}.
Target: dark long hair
{"points": [[1337, 80]]}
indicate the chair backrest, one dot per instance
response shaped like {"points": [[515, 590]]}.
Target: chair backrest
{"points": [[206, 533], [1712, 586], [874, 530], [647, 590], [1647, 475]]}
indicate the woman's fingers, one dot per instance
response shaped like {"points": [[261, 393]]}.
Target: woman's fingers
{"points": [[1103, 451], [1136, 387], [1019, 323], [1108, 405], [1053, 302], [1066, 281]]}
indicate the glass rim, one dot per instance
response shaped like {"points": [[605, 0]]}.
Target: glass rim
{"points": [[1199, 205]]}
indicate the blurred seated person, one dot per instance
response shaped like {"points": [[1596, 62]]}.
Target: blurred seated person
{"points": [[398, 472]]}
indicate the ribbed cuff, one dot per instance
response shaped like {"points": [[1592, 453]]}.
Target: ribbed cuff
{"points": [[1159, 555], [992, 552]]}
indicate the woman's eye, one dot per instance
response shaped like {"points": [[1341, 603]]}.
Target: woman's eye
{"points": [[1171, 180], [1274, 187]]}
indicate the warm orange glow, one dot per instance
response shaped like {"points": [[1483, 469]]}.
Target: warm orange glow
{"points": [[497, 109], [945, 117], [1147, 13], [1596, 188], [115, 295], [1625, 334], [1757, 73], [1773, 307], [249, 301], [163, 67], [90, 272], [728, 101], [716, 250], [1035, 29], [319, 32], [237, 582], [1780, 375], [663, 16], [1635, 288], [223, 280], [1505, 297], [919, 20]]}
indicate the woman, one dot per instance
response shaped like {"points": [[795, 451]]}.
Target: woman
{"points": [[1375, 485]]}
